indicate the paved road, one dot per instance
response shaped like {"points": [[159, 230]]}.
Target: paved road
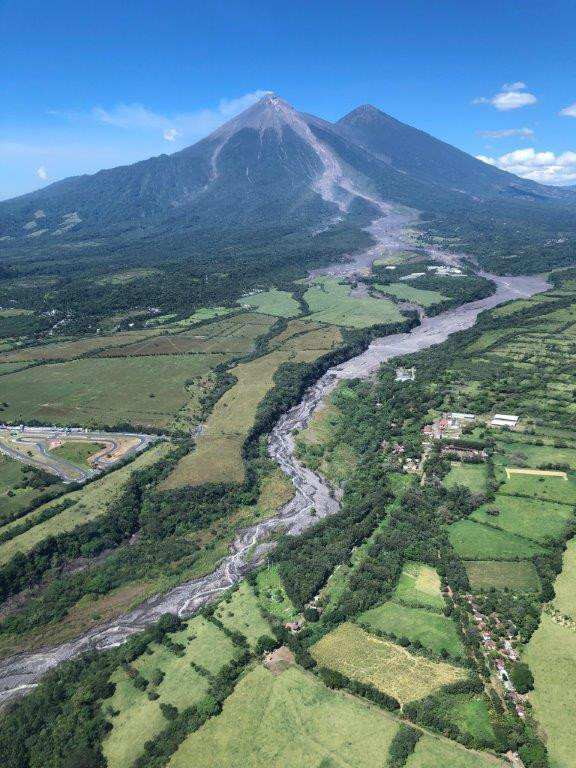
{"points": [[37, 437], [19, 673]]}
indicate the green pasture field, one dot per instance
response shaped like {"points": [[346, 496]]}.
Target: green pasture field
{"points": [[289, 720], [69, 350], [91, 501], [14, 312], [272, 302], [11, 367], [474, 541], [551, 655], [392, 669], [218, 453], [240, 612], [12, 473], [432, 753], [473, 476], [139, 718], [531, 518], [487, 339], [127, 276], [545, 488], [435, 631], [565, 584], [470, 713], [203, 314], [534, 455], [419, 585], [518, 306], [406, 292], [272, 595], [77, 452], [144, 391], [330, 302], [499, 574]]}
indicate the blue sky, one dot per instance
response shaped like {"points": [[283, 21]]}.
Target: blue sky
{"points": [[95, 84]]}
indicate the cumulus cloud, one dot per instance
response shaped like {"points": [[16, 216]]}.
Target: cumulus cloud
{"points": [[504, 133], [511, 96], [544, 167], [188, 125], [171, 133], [41, 172], [569, 111]]}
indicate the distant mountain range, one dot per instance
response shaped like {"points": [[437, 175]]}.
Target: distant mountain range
{"points": [[266, 174]]}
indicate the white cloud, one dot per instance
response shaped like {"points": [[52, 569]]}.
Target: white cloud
{"points": [[504, 133], [171, 133], [511, 96], [569, 111], [189, 125], [544, 167], [41, 172]]}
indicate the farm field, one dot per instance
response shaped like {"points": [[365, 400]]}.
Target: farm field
{"points": [[545, 488], [435, 631], [272, 302], [218, 453], [89, 502], [331, 302], [520, 305], [272, 595], [534, 519], [432, 753], [565, 584], [288, 720], [419, 585], [12, 474], [551, 655], [392, 669], [474, 541], [68, 350], [501, 574], [240, 612], [471, 475], [470, 714], [92, 391], [406, 292], [533, 455], [140, 719]]}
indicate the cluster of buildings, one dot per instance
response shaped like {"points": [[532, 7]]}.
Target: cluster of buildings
{"points": [[503, 647], [448, 425]]}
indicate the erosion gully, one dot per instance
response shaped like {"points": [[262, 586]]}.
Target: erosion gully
{"points": [[20, 673]]}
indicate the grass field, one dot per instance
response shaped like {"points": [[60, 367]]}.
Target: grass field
{"points": [[471, 475], [77, 452], [470, 713], [474, 541], [533, 455], [389, 667], [272, 595], [272, 302], [12, 473], [218, 453], [488, 574], [434, 631], [565, 584], [518, 306], [551, 655], [433, 753], [406, 292], [68, 350], [419, 585], [203, 314], [330, 302], [145, 391], [90, 502], [139, 718], [532, 518], [545, 488], [289, 721], [240, 612]]}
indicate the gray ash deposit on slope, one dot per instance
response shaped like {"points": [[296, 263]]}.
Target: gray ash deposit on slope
{"points": [[20, 673]]}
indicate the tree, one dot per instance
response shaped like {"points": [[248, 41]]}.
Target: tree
{"points": [[522, 677]]}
